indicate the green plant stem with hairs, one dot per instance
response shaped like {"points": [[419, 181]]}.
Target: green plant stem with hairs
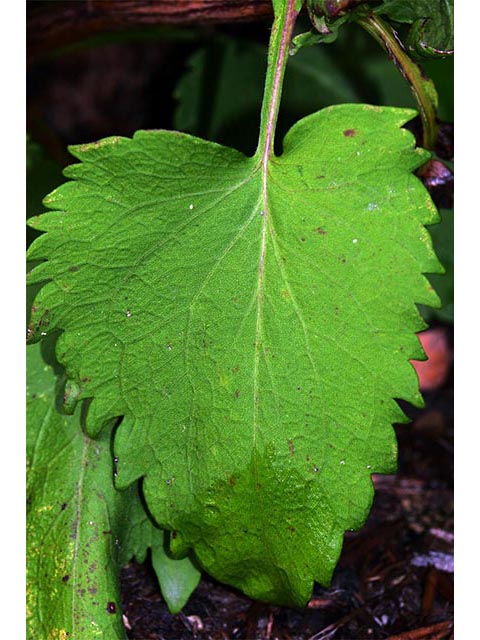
{"points": [[422, 87]]}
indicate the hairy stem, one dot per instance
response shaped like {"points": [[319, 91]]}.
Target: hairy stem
{"points": [[422, 87], [280, 39]]}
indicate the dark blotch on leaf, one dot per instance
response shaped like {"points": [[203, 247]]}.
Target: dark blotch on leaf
{"points": [[73, 268], [321, 231], [66, 578], [111, 607], [349, 133], [63, 506]]}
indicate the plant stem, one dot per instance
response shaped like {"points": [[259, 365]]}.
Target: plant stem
{"points": [[422, 87], [285, 16]]}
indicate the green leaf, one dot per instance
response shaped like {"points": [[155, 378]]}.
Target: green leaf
{"points": [[73, 521], [252, 321], [177, 578], [431, 34], [80, 529]]}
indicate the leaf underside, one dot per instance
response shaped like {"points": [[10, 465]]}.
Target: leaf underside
{"points": [[251, 324]]}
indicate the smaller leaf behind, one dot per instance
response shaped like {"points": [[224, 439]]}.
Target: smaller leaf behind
{"points": [[431, 34], [177, 578], [80, 529], [73, 523]]}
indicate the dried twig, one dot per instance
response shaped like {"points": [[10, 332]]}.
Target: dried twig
{"points": [[328, 632], [432, 632]]}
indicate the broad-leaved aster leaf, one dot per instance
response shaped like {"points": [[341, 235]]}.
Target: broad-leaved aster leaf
{"points": [[74, 518], [252, 320], [80, 529]]}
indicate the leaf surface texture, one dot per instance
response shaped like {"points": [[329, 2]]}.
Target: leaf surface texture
{"points": [[253, 322]]}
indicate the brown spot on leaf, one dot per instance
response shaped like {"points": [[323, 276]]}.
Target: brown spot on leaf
{"points": [[233, 481], [237, 393], [66, 578], [73, 268], [350, 133], [320, 177], [235, 369], [291, 447], [321, 231], [111, 607]]}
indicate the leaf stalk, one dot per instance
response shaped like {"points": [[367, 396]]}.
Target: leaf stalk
{"points": [[422, 88], [281, 36]]}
